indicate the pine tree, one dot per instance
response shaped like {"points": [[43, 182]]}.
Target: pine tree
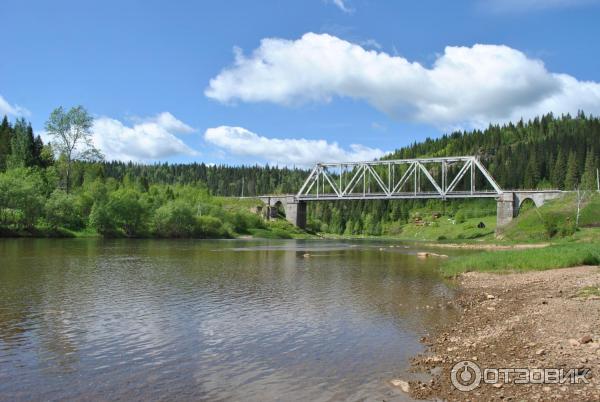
{"points": [[5, 139], [559, 170], [588, 179], [572, 175], [532, 174], [21, 145]]}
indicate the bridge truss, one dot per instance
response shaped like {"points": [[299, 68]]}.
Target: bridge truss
{"points": [[442, 178]]}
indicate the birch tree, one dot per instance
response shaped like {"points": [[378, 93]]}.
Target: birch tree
{"points": [[72, 137]]}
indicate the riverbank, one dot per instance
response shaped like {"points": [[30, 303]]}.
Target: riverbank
{"points": [[545, 319]]}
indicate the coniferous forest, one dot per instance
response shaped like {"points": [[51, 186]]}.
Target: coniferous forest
{"points": [[43, 190]]}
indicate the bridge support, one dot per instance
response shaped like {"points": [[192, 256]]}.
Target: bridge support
{"points": [[509, 204], [295, 210], [505, 209]]}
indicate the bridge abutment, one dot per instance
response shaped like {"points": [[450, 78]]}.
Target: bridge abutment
{"points": [[509, 204], [295, 210], [505, 209]]}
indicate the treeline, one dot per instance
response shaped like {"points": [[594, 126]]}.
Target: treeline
{"points": [[44, 194], [546, 152]]}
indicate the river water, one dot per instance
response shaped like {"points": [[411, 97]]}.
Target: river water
{"points": [[251, 320]]}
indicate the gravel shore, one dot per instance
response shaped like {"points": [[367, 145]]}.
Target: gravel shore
{"points": [[521, 320]]}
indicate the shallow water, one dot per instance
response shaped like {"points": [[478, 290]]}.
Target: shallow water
{"points": [[228, 319]]}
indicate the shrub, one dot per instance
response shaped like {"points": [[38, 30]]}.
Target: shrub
{"points": [[102, 220], [210, 227], [174, 219], [61, 209]]}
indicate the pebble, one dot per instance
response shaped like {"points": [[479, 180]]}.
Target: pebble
{"points": [[585, 339], [490, 297], [497, 385], [540, 352], [403, 385]]}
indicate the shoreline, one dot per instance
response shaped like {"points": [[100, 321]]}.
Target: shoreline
{"points": [[535, 319]]}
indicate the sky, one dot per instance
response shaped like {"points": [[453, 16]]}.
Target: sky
{"points": [[292, 82]]}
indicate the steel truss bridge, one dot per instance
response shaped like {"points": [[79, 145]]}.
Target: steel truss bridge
{"points": [[442, 178]]}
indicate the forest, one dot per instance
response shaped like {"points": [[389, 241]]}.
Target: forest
{"points": [[45, 189]]}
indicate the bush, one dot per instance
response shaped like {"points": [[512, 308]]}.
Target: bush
{"points": [[459, 217], [209, 227], [102, 220], [61, 210], [127, 212], [174, 219], [22, 190]]}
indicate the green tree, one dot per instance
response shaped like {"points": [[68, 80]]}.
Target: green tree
{"points": [[61, 211], [559, 170], [102, 221], [21, 145], [174, 219], [572, 175], [125, 208], [588, 179], [72, 137], [22, 194], [5, 142]]}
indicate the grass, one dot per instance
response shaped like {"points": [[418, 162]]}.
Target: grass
{"points": [[443, 229], [555, 256], [589, 291]]}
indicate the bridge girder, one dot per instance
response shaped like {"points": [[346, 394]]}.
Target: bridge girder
{"points": [[335, 181]]}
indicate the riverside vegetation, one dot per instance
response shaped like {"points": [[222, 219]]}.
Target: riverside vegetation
{"points": [[49, 190]]}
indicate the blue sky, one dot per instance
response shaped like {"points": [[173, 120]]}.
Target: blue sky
{"points": [[313, 80]]}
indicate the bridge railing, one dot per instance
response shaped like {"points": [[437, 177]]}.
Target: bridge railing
{"points": [[399, 178]]}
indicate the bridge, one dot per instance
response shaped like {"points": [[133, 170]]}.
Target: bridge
{"points": [[425, 178]]}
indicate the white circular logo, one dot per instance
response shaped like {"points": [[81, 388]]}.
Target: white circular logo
{"points": [[465, 375]]}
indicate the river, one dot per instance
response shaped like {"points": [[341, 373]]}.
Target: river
{"points": [[252, 320]]}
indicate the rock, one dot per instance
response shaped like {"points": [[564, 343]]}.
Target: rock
{"points": [[422, 254], [490, 297], [497, 385], [403, 385], [573, 342], [540, 352], [585, 339]]}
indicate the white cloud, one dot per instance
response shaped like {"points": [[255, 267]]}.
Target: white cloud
{"points": [[466, 86], [527, 5], [149, 139], [300, 152], [11, 110], [341, 4]]}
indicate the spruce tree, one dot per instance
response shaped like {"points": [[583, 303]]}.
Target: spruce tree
{"points": [[572, 175], [588, 179], [21, 145], [5, 139], [559, 170]]}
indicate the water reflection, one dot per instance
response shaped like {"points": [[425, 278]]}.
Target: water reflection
{"points": [[251, 320]]}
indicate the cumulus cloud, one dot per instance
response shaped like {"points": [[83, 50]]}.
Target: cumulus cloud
{"points": [[6, 109], [147, 139], [465, 86], [300, 152]]}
